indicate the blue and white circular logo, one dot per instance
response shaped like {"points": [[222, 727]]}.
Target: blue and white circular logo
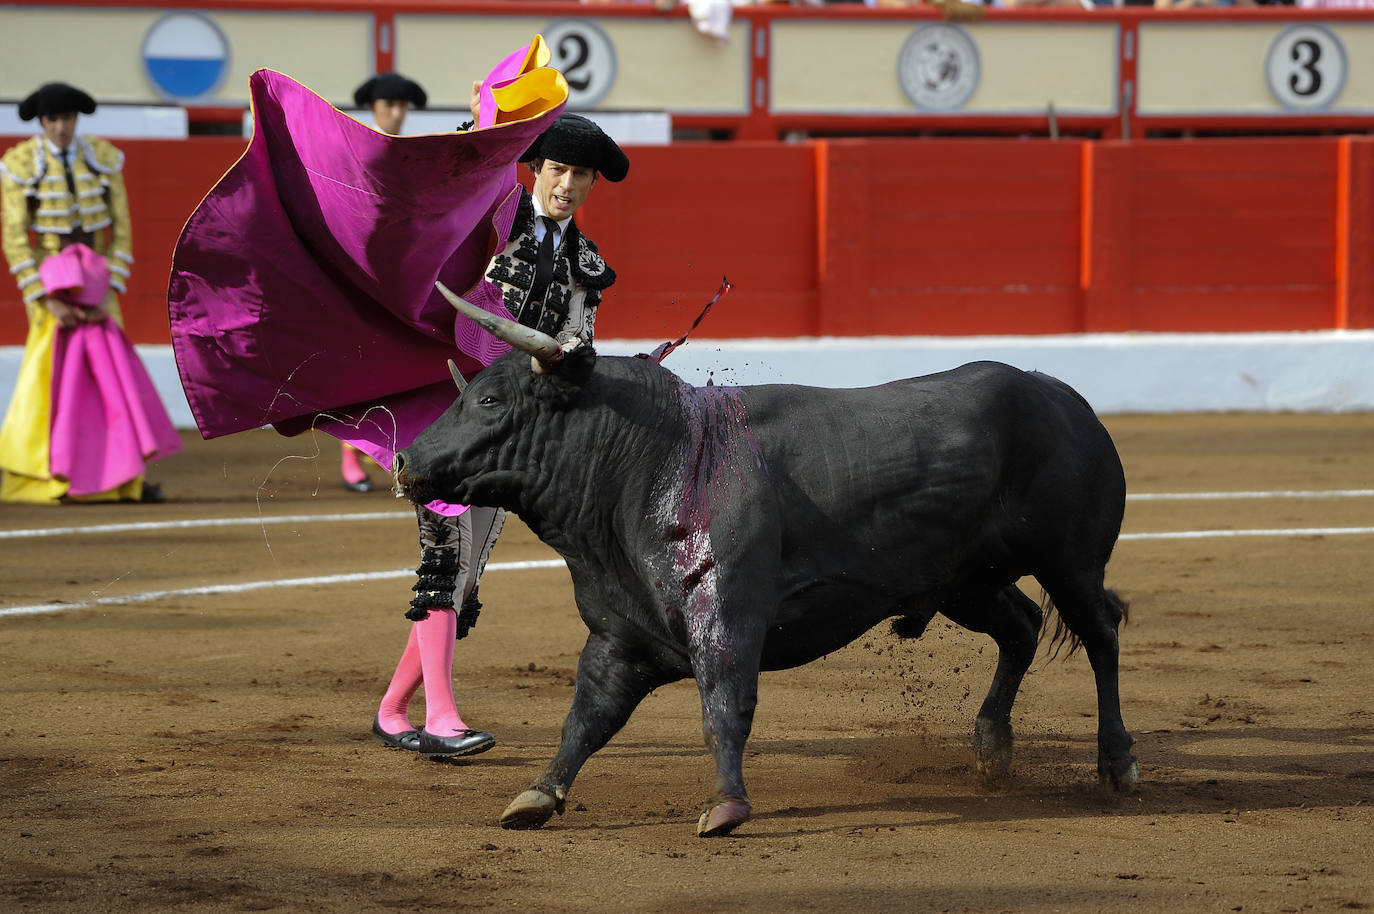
{"points": [[186, 56]]}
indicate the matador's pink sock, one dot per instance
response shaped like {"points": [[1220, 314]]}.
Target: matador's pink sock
{"points": [[351, 469], [436, 636], [392, 713]]}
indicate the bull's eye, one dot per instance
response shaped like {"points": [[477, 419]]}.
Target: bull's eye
{"points": [[487, 401]]}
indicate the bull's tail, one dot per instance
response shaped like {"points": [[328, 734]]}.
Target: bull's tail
{"points": [[1118, 608]]}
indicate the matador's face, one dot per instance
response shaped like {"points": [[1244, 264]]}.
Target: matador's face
{"points": [[60, 129], [562, 189]]}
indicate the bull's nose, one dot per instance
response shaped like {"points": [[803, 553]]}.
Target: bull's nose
{"points": [[397, 464]]}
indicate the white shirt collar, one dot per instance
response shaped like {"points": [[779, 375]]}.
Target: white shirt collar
{"points": [[539, 225], [57, 150]]}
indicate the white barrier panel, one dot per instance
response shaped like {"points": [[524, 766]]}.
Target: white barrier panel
{"points": [[1325, 371], [111, 122], [1319, 372]]}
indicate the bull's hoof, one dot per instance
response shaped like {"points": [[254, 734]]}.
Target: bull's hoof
{"points": [[992, 751], [1123, 778], [529, 810], [723, 818]]}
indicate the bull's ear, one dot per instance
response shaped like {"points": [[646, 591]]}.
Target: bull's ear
{"points": [[563, 384]]}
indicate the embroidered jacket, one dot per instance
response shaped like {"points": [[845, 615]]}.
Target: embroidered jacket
{"points": [[34, 197], [569, 309], [579, 278]]}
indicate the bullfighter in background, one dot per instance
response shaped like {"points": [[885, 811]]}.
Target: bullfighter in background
{"points": [[85, 417], [389, 97]]}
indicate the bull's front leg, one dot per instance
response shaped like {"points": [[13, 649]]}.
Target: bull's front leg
{"points": [[725, 661], [610, 685]]}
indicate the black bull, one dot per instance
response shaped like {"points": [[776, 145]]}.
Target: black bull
{"points": [[713, 532]]}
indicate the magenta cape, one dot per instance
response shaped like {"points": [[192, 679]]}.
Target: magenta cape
{"points": [[107, 419], [302, 289]]}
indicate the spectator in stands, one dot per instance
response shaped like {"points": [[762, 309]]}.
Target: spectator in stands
{"points": [[1185, 4], [390, 97], [84, 416]]}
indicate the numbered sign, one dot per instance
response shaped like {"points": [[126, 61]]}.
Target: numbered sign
{"points": [[938, 67], [1306, 67], [585, 57]]}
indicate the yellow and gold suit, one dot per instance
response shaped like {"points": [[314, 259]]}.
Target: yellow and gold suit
{"points": [[40, 215]]}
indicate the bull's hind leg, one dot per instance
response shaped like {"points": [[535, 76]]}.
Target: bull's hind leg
{"points": [[1013, 621], [610, 685], [1093, 613]]}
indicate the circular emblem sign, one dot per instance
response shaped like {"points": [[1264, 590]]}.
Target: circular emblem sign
{"points": [[185, 55], [585, 57], [938, 68], [1306, 67]]}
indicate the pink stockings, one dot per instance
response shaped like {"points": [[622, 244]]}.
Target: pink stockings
{"points": [[427, 659], [352, 470]]}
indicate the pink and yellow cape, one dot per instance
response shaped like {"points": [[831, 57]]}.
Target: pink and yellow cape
{"points": [[302, 291]]}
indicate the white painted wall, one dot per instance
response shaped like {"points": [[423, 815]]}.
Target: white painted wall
{"points": [[1320, 372], [110, 122]]}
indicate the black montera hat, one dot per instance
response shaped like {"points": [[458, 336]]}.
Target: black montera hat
{"points": [[55, 98], [390, 86], [574, 140]]}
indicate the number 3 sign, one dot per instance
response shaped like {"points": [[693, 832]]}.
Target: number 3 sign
{"points": [[1306, 67], [585, 57]]}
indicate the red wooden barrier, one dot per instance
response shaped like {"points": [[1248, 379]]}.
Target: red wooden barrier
{"points": [[1355, 234], [946, 238], [872, 237], [692, 213], [1219, 235]]}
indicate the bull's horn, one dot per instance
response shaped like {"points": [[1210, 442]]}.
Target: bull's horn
{"points": [[545, 349], [458, 378]]}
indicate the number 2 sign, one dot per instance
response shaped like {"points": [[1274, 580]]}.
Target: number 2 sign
{"points": [[1306, 67], [585, 57]]}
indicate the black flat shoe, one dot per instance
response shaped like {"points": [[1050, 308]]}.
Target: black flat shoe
{"points": [[362, 485], [464, 742], [406, 739], [152, 494]]}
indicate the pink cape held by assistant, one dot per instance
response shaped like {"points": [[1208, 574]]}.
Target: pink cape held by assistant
{"points": [[302, 293], [107, 419]]}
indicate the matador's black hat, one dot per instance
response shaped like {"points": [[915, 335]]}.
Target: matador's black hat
{"points": [[392, 87], [574, 140], [55, 98]]}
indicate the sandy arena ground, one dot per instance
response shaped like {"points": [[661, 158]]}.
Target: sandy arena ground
{"points": [[210, 752]]}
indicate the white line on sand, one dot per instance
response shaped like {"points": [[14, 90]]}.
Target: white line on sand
{"points": [[152, 526], [246, 586], [328, 580]]}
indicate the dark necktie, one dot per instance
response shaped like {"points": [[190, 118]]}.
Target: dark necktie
{"points": [[67, 167], [543, 265]]}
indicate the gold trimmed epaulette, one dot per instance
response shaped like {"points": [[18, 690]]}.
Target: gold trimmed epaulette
{"points": [[101, 155], [24, 163]]}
